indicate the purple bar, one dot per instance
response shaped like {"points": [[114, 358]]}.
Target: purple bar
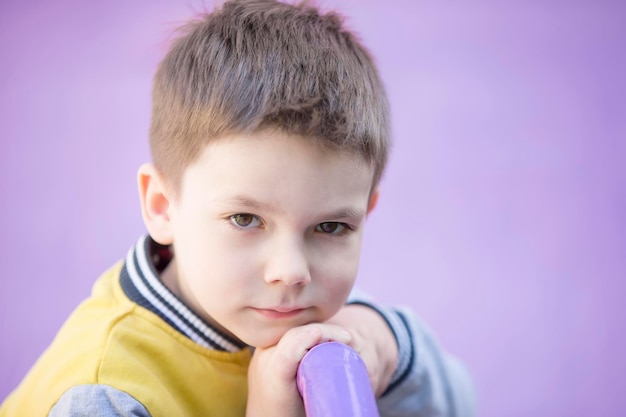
{"points": [[333, 382]]}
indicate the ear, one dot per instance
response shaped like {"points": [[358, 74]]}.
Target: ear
{"points": [[155, 204], [373, 200]]}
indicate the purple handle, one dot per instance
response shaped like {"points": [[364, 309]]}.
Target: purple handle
{"points": [[333, 382]]}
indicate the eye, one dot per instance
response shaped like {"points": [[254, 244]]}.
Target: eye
{"points": [[245, 220], [332, 228]]}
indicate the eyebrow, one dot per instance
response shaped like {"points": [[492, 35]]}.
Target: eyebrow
{"points": [[255, 205], [347, 212], [243, 201]]}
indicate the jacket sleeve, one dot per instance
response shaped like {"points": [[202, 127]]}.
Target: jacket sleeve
{"points": [[97, 400], [427, 380]]}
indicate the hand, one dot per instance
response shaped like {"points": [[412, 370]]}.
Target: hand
{"points": [[373, 340], [272, 386]]}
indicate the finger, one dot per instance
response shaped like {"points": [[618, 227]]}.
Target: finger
{"points": [[357, 343], [297, 341], [372, 365]]}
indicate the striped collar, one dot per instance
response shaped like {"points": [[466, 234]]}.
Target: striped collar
{"points": [[141, 283]]}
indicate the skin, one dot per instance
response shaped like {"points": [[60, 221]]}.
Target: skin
{"points": [[266, 230]]}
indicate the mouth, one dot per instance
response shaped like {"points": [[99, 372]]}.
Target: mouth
{"points": [[279, 312]]}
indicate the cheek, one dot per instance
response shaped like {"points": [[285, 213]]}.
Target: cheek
{"points": [[341, 278], [220, 266], [340, 257], [214, 268], [336, 271]]}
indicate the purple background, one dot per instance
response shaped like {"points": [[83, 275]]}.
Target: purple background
{"points": [[502, 215]]}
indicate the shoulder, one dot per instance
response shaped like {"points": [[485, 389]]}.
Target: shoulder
{"points": [[101, 400]]}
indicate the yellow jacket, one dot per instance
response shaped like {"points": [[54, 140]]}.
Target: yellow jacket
{"points": [[112, 341]]}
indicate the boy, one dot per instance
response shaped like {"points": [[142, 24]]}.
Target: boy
{"points": [[269, 136]]}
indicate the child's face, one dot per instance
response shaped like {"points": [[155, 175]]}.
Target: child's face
{"points": [[267, 233]]}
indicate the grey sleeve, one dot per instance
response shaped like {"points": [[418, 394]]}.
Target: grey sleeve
{"points": [[427, 380], [97, 400]]}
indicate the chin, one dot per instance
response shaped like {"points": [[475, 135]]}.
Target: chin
{"points": [[265, 340], [270, 335]]}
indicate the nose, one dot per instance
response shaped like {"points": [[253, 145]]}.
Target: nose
{"points": [[287, 263]]}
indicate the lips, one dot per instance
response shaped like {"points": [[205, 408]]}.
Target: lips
{"points": [[280, 312]]}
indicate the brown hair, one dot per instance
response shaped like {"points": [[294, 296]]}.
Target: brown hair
{"points": [[261, 64]]}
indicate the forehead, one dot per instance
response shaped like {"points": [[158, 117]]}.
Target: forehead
{"points": [[276, 166]]}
